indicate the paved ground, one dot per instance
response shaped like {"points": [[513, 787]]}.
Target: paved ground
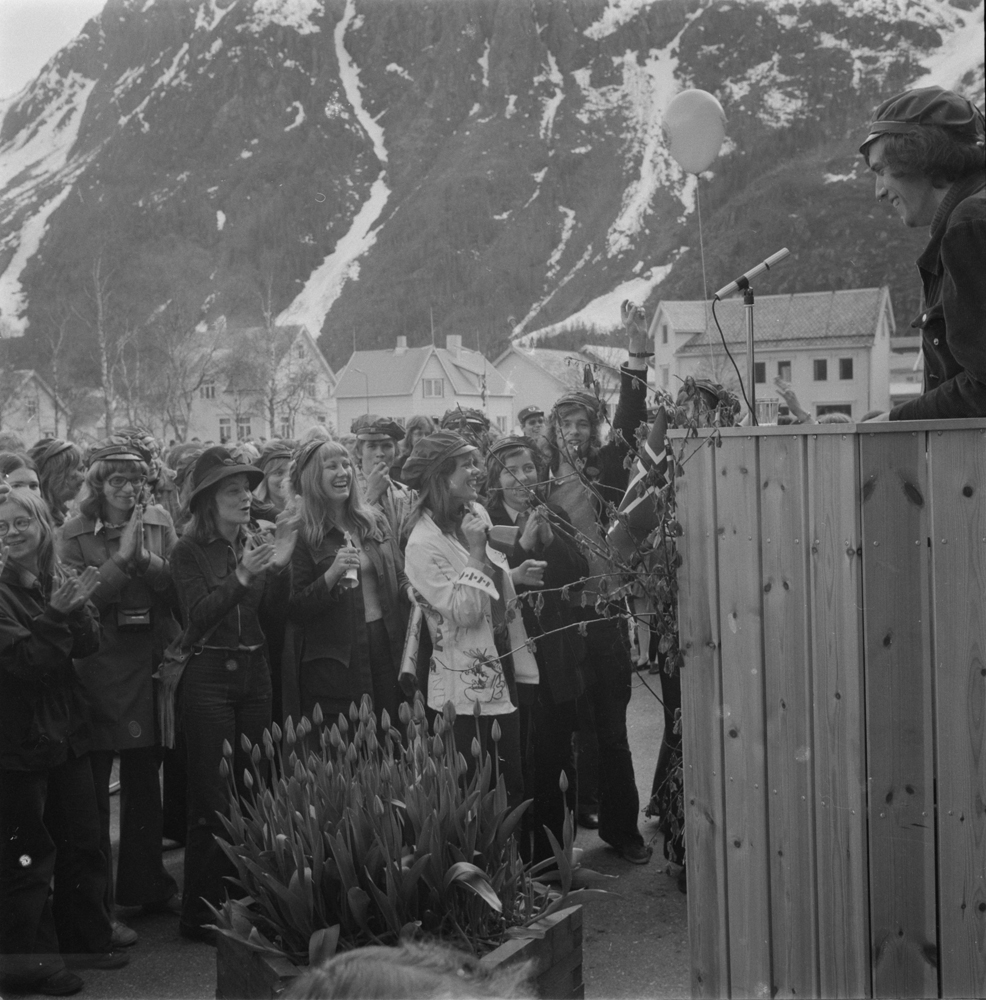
{"points": [[634, 946]]}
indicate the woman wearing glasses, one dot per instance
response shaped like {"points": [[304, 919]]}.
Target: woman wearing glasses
{"points": [[129, 544]]}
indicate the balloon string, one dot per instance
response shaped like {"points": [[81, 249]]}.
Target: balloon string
{"points": [[705, 283]]}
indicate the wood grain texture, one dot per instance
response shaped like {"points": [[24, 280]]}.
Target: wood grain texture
{"points": [[701, 715], [837, 715], [788, 684], [958, 545], [744, 729], [900, 744]]}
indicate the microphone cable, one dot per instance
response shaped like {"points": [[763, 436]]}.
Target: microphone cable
{"points": [[722, 336]]}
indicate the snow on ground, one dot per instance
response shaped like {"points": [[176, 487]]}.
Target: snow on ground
{"points": [[220, 219], [616, 14], [961, 51], [552, 75], [399, 70], [164, 80], [484, 64], [299, 115], [603, 313], [835, 178], [12, 296], [297, 14], [208, 16], [326, 282], [511, 108], [45, 145], [567, 228]]}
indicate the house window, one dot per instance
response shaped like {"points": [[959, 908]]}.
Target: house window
{"points": [[321, 418], [299, 351], [225, 429], [845, 368], [243, 428], [31, 409], [665, 376], [501, 424], [286, 427], [821, 368], [784, 370], [208, 389], [760, 372], [664, 333], [432, 388]]}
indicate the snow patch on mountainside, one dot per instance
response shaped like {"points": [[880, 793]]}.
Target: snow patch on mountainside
{"points": [[325, 284], [297, 14], [961, 51], [566, 232], [13, 299], [603, 313], [552, 75], [616, 14]]}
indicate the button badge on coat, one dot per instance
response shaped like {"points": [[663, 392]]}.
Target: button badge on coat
{"points": [[232, 665]]}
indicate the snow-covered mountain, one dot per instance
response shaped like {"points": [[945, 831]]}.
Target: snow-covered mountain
{"points": [[491, 167]]}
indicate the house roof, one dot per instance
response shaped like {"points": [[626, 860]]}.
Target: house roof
{"points": [[846, 318], [24, 375], [390, 373], [230, 340]]}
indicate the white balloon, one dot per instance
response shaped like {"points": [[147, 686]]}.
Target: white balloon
{"points": [[696, 126]]}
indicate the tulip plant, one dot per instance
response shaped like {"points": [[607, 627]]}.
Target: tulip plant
{"points": [[351, 834]]}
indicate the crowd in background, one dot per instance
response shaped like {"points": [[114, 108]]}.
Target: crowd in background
{"points": [[290, 571]]}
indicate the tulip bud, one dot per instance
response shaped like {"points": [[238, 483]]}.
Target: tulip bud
{"points": [[364, 710], [343, 724], [495, 731], [245, 742], [227, 749], [475, 746], [477, 711], [247, 778], [439, 724], [317, 716], [378, 805], [353, 711], [449, 714], [334, 736], [276, 732], [419, 707], [351, 754], [437, 746], [563, 781], [385, 720], [224, 768], [255, 754], [404, 713], [461, 761]]}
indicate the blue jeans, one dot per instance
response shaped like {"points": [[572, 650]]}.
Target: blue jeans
{"points": [[227, 694], [49, 827]]}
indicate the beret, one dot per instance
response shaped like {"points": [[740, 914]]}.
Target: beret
{"points": [[368, 426], [528, 412], [121, 451], [926, 106]]}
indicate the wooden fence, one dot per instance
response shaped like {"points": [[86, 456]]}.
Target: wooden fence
{"points": [[833, 621]]}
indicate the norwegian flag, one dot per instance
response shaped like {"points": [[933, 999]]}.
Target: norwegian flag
{"points": [[639, 513]]}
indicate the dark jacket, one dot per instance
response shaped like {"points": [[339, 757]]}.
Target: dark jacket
{"points": [[953, 322], [42, 710], [326, 652], [604, 468], [210, 593], [560, 655], [117, 679]]}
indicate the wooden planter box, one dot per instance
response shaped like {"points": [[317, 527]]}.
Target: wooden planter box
{"points": [[245, 974]]}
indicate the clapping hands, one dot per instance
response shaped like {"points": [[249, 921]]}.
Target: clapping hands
{"points": [[74, 590]]}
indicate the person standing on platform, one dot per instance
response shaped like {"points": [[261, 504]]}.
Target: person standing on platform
{"points": [[926, 148]]}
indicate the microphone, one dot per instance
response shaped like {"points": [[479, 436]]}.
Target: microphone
{"points": [[744, 282]]}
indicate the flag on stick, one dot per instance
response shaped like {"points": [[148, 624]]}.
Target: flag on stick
{"points": [[639, 510]]}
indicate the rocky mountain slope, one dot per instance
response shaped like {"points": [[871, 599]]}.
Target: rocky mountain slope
{"points": [[485, 167]]}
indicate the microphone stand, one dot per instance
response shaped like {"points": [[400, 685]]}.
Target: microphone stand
{"points": [[750, 364]]}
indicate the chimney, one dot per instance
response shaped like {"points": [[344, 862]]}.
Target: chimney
{"points": [[401, 347], [453, 344]]}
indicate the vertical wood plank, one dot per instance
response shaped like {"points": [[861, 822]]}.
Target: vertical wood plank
{"points": [[900, 745], [838, 705], [744, 738], [787, 679], [701, 726], [958, 545]]}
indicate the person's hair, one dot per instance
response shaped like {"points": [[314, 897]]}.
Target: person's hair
{"points": [[435, 497], [931, 151], [54, 467], [495, 466], [11, 461], [411, 970], [200, 521], [554, 432], [316, 509], [417, 423], [92, 503], [49, 568], [834, 418]]}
